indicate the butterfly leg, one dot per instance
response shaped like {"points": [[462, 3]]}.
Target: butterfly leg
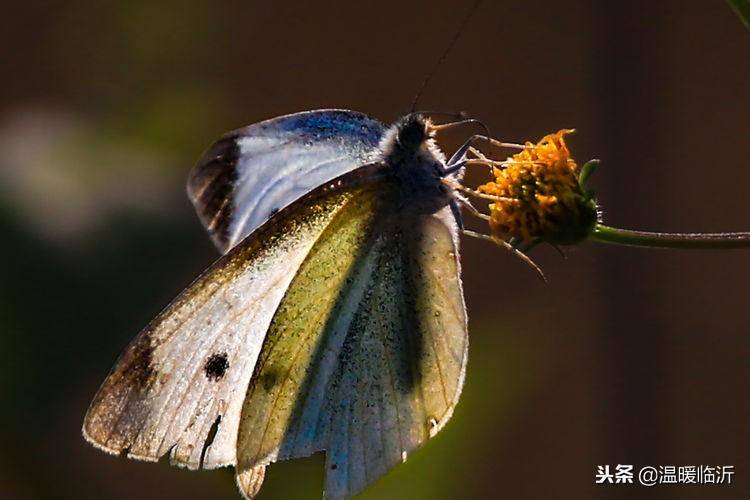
{"points": [[466, 203], [456, 211], [507, 246], [454, 184], [533, 244], [459, 160], [560, 251], [527, 247]]}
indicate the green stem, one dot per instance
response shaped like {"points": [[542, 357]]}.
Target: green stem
{"points": [[616, 236], [742, 9]]}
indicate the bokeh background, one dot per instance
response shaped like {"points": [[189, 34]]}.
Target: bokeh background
{"points": [[625, 356]]}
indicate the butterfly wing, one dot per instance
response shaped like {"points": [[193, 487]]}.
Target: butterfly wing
{"points": [[251, 173], [179, 387], [366, 354]]}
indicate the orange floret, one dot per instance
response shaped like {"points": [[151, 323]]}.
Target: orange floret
{"points": [[541, 196]]}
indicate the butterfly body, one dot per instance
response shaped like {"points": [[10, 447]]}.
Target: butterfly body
{"points": [[333, 322]]}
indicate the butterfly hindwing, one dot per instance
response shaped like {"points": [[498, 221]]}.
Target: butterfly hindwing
{"points": [[178, 389], [365, 357], [253, 172]]}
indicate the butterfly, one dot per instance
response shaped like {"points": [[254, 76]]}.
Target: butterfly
{"points": [[333, 322]]}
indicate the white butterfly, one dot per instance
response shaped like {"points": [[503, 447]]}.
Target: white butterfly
{"points": [[335, 320]]}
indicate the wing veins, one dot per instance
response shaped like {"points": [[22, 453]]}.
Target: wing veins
{"points": [[352, 434], [241, 312], [366, 259], [456, 357], [120, 414], [389, 369], [439, 369], [243, 220], [444, 292], [308, 337], [219, 213], [185, 366], [272, 347]]}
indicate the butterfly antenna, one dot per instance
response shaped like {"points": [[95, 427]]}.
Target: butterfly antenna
{"points": [[439, 62]]}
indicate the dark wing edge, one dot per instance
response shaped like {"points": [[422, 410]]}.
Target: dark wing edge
{"points": [[337, 140]]}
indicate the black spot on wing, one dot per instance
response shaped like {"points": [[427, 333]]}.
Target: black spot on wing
{"points": [[211, 186], [216, 366], [269, 379]]}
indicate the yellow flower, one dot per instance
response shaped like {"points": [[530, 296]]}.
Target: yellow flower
{"points": [[539, 195]]}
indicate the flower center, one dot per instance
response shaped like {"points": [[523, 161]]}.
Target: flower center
{"points": [[539, 196]]}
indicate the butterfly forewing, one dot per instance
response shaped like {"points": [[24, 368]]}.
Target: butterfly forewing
{"points": [[366, 354], [251, 173], [185, 376]]}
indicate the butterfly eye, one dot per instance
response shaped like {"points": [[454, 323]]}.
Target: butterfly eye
{"points": [[412, 133]]}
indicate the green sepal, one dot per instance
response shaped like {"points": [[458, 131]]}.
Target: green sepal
{"points": [[587, 169]]}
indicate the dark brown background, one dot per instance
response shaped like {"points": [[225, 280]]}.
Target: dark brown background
{"points": [[626, 356]]}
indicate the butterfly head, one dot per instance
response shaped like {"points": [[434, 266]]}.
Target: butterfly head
{"points": [[410, 141], [413, 131]]}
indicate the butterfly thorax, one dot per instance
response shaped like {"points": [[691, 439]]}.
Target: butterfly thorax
{"points": [[418, 164]]}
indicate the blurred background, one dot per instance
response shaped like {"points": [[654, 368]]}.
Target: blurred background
{"points": [[626, 356]]}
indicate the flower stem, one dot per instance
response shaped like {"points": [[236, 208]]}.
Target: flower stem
{"points": [[742, 8], [617, 236]]}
